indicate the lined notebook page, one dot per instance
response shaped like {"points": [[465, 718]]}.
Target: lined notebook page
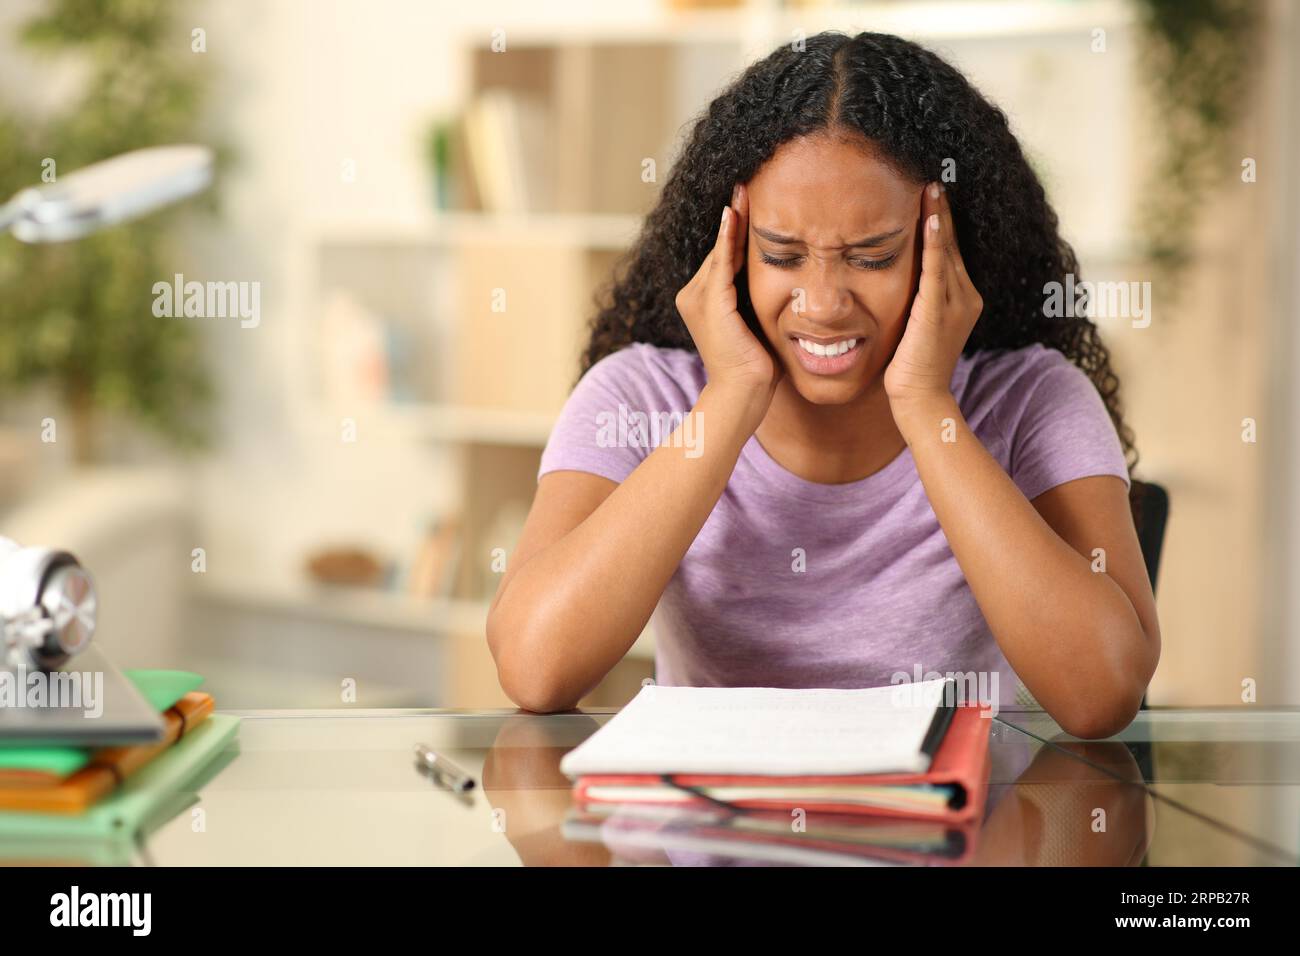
{"points": [[764, 730]]}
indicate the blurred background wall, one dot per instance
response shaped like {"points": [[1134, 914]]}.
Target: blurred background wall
{"points": [[374, 438]]}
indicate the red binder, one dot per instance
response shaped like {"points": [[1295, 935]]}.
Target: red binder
{"points": [[962, 761]]}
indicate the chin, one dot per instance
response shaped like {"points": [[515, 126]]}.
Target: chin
{"points": [[817, 390]]}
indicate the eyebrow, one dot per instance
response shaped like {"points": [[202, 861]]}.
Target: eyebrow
{"points": [[876, 240]]}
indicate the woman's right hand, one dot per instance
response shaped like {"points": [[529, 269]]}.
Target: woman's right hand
{"points": [[733, 356]]}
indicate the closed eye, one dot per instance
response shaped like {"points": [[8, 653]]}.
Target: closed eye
{"points": [[792, 262]]}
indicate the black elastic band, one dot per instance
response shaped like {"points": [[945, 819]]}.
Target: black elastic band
{"points": [[941, 721], [697, 792]]}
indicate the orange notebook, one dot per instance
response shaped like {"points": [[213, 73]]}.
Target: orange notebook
{"points": [[35, 791], [953, 790]]}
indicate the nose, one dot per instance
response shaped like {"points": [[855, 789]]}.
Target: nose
{"points": [[824, 298]]}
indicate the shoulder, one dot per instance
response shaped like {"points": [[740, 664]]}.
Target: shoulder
{"points": [[1042, 413], [999, 386], [648, 376], [602, 427]]}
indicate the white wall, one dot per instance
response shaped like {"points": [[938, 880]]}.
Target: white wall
{"points": [[1282, 582]]}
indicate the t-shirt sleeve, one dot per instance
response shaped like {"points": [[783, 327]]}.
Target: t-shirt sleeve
{"points": [[1064, 431], [586, 436]]}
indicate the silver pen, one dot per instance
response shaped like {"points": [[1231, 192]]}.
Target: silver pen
{"points": [[443, 771]]}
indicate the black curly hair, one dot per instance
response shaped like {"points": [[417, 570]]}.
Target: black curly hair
{"points": [[923, 116]]}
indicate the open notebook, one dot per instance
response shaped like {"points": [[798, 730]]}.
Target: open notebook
{"points": [[903, 750]]}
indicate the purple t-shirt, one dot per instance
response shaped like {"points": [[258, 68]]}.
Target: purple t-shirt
{"points": [[792, 583]]}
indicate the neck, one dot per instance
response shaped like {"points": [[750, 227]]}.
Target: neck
{"points": [[831, 444]]}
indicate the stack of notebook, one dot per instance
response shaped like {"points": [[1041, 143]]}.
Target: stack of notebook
{"points": [[898, 772], [699, 836], [70, 791]]}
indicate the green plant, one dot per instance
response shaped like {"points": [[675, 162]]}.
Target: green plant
{"points": [[437, 150], [78, 316], [1198, 58]]}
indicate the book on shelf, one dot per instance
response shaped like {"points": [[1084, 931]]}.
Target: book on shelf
{"points": [[506, 139], [434, 567]]}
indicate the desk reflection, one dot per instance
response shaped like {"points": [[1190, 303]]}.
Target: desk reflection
{"points": [[1074, 804]]}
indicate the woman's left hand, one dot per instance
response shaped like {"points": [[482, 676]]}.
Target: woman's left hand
{"points": [[943, 312]]}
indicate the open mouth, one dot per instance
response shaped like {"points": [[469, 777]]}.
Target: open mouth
{"points": [[828, 356]]}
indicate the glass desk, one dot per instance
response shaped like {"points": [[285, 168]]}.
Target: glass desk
{"points": [[1208, 787], [1238, 767]]}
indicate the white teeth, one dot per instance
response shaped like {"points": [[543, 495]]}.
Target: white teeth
{"points": [[837, 348]]}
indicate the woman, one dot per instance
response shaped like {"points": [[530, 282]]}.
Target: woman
{"points": [[891, 462]]}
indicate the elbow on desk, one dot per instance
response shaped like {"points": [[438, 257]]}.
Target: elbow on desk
{"points": [[535, 695], [531, 685], [1095, 727], [1099, 719], [1111, 697]]}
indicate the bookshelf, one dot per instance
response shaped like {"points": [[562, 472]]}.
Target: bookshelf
{"points": [[480, 381]]}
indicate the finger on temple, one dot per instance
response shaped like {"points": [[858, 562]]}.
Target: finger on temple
{"points": [[741, 232], [722, 246], [933, 255]]}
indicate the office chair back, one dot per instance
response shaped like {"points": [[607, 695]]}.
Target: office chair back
{"points": [[1150, 505]]}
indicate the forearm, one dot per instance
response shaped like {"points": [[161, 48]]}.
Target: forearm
{"points": [[1071, 634], [572, 611]]}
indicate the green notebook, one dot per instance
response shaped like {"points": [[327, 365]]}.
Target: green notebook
{"points": [[122, 814], [145, 793]]}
